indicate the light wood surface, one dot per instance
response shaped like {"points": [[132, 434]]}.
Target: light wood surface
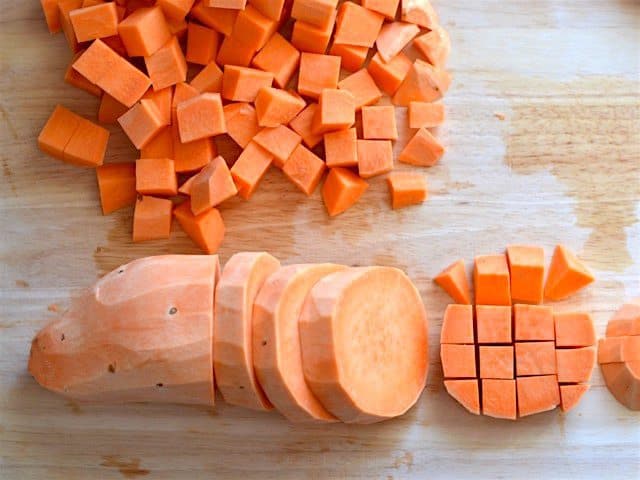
{"points": [[563, 166]]}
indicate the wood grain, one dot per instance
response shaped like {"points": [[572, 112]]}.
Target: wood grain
{"points": [[563, 166]]}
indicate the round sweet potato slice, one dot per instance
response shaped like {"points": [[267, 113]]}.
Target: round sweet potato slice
{"points": [[364, 343], [242, 277], [277, 358]]}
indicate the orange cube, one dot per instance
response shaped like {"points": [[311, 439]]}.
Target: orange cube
{"points": [[152, 219], [87, 146], [453, 280], [493, 324], [58, 130], [141, 123], [277, 107], [253, 28], [499, 398], [491, 279], [535, 358], [160, 146], [362, 87], [65, 7], [567, 275], [496, 362], [434, 46], [270, 8], [466, 392], [458, 361], [353, 56], [279, 141], [389, 75], [423, 150], [167, 66], [115, 75], [202, 44], [341, 148], [163, 100], [426, 114], [388, 8], [209, 79], [192, 156], [311, 38], [234, 51], [537, 394], [574, 329], [279, 57], [220, 19], [201, 117], [375, 157], [242, 122], [356, 25], [533, 322], [379, 123], [341, 190], [457, 325], [526, 266], [317, 72], [575, 364], [315, 12], [420, 12], [156, 176], [97, 21], [303, 125], [241, 84], [250, 168], [75, 79], [117, 186], [407, 188], [212, 186], [144, 31], [175, 10], [304, 169], [206, 230], [423, 83], [337, 111]]}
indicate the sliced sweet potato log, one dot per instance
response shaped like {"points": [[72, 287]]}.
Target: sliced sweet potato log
{"points": [[537, 394], [466, 392], [241, 279], [277, 355], [570, 395], [365, 361], [143, 333]]}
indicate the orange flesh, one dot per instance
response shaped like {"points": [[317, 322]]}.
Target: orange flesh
{"points": [[243, 276], [537, 394], [575, 364], [453, 280], [466, 392], [570, 395], [365, 364], [457, 326], [143, 333], [535, 358], [567, 275], [499, 398], [242, 122], [496, 362], [526, 268], [533, 322], [276, 341], [458, 361]]}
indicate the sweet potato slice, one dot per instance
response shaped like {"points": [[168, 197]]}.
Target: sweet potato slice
{"points": [[239, 284], [143, 333], [277, 355], [365, 364], [570, 395], [623, 381], [466, 392]]}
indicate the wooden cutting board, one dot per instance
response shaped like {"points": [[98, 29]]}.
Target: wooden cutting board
{"points": [[561, 164]]}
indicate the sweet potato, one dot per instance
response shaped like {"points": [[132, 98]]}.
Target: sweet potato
{"points": [[341, 344], [241, 280], [122, 343]]}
